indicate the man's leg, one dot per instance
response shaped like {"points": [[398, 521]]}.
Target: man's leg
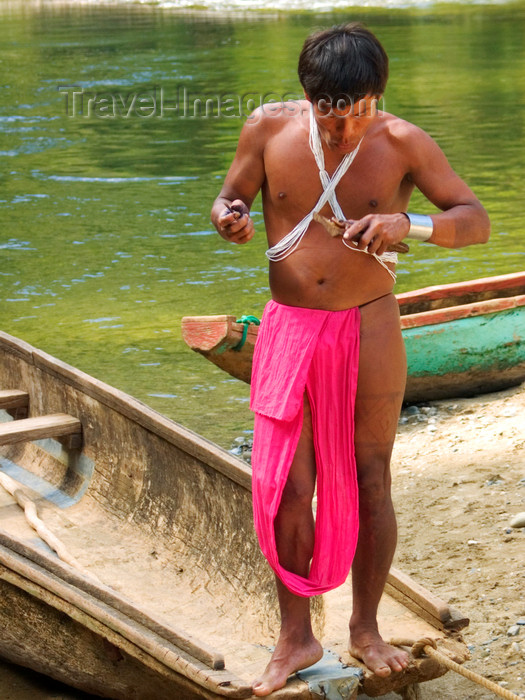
{"points": [[381, 384], [297, 647]]}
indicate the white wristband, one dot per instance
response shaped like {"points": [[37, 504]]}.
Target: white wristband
{"points": [[421, 226]]}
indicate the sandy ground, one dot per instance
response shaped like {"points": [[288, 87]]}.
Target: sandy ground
{"points": [[459, 478]]}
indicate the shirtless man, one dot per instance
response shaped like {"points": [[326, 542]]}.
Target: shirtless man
{"points": [[343, 71]]}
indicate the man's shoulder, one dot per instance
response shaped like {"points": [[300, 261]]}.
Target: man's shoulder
{"points": [[272, 117], [400, 129], [270, 122], [409, 141]]}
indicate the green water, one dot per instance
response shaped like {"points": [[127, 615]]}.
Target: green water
{"points": [[105, 240]]}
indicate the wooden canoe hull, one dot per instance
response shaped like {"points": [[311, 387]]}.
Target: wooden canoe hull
{"points": [[94, 664], [468, 355], [183, 604], [139, 471], [461, 339]]}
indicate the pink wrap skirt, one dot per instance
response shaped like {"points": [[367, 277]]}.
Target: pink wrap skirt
{"points": [[315, 351]]}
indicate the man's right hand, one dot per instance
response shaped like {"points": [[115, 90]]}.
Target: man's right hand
{"points": [[234, 223]]}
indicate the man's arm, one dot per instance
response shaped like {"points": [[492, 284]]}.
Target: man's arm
{"points": [[230, 213], [463, 220]]}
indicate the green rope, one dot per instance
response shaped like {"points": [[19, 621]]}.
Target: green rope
{"points": [[246, 320]]}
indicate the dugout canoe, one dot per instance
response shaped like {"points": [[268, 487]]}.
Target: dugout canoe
{"points": [[461, 339], [160, 590]]}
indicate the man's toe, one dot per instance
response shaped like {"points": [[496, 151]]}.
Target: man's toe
{"points": [[382, 671]]}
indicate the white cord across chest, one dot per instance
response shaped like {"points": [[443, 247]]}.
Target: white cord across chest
{"points": [[289, 243]]}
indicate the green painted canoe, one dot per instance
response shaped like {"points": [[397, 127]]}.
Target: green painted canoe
{"points": [[461, 339]]}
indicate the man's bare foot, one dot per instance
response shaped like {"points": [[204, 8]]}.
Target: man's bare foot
{"points": [[378, 656], [289, 656]]}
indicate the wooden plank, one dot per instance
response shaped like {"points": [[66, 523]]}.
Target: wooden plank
{"points": [[216, 333], [458, 293], [180, 638], [15, 402], [183, 438], [82, 646], [424, 603], [39, 428], [13, 398], [189, 678], [16, 346], [217, 338], [454, 313], [148, 641]]}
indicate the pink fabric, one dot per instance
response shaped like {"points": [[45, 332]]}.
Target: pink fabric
{"points": [[315, 351]]}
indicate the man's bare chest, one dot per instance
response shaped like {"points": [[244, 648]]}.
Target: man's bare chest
{"points": [[374, 182]]}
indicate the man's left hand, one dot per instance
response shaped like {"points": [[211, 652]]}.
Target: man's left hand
{"points": [[376, 232]]}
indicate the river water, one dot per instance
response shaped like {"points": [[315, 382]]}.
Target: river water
{"points": [[109, 164], [108, 170]]}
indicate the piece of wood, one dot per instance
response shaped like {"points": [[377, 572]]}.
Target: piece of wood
{"points": [[39, 428], [13, 398], [336, 227], [180, 638], [459, 293], [187, 681], [209, 332], [454, 313], [133, 409], [17, 347], [15, 402], [167, 653], [421, 601]]}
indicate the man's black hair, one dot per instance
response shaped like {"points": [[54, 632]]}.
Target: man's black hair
{"points": [[346, 61]]}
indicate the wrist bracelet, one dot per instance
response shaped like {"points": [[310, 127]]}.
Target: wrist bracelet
{"points": [[421, 226]]}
